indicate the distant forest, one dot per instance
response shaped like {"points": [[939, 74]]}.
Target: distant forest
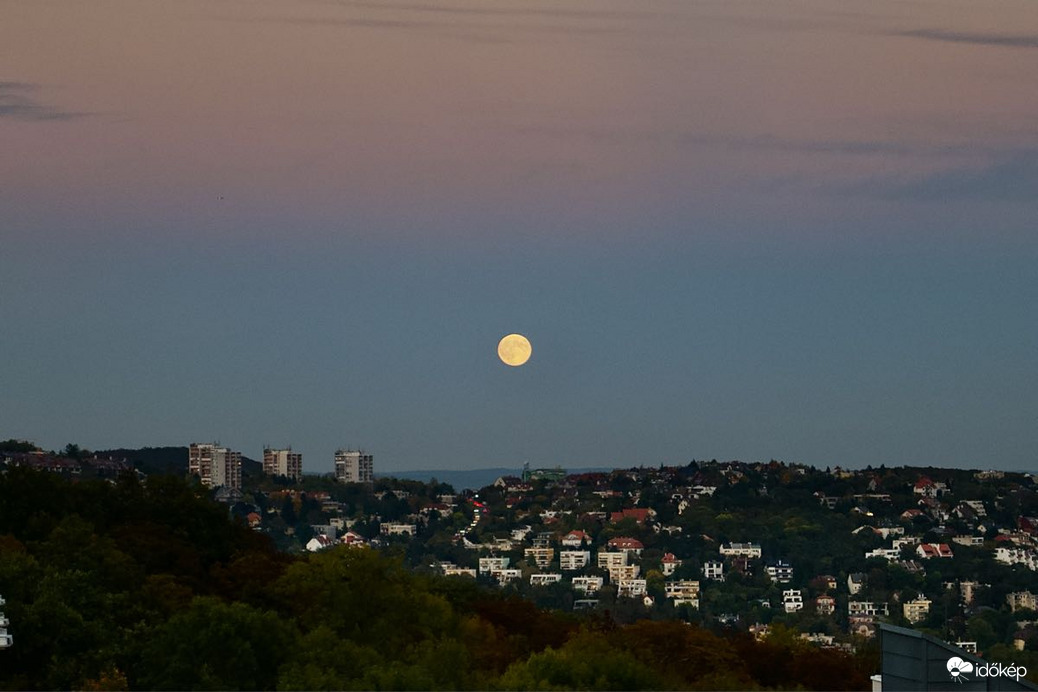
{"points": [[151, 585]]}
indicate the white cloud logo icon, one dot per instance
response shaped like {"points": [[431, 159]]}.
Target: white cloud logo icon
{"points": [[958, 668]]}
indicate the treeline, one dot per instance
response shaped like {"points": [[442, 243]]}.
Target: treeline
{"points": [[152, 586]]}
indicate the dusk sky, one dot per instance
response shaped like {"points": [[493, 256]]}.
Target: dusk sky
{"points": [[732, 229]]}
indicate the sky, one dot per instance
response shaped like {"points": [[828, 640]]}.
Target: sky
{"points": [[803, 230]]}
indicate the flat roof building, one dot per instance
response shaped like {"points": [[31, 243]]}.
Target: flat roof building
{"points": [[283, 462], [354, 466]]}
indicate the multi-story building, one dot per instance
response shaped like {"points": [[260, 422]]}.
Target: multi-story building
{"points": [[214, 465], [631, 587], [780, 572], [397, 528], [608, 560], [618, 574], [545, 579], [1022, 599], [626, 544], [354, 466], [488, 565], [283, 462], [570, 560], [867, 608], [503, 576], [713, 570], [587, 584], [541, 557], [740, 550], [792, 600], [916, 610], [683, 592], [455, 571], [669, 564]]}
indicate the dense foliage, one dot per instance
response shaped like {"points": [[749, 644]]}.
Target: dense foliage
{"points": [[150, 585]]}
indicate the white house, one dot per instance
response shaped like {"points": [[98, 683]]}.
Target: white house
{"points": [[780, 572], [570, 560], [575, 539], [394, 528], [487, 565], [587, 584], [740, 549], [867, 608], [545, 579], [792, 600], [504, 576], [713, 570], [631, 587], [670, 563], [319, 542]]}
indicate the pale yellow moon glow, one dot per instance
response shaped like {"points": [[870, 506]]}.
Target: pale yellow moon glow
{"points": [[514, 350]]}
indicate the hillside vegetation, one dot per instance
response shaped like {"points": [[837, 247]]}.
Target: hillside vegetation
{"points": [[150, 585]]}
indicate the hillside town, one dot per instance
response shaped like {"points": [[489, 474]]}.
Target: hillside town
{"points": [[828, 554]]}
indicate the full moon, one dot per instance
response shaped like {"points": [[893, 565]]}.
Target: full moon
{"points": [[514, 350]]}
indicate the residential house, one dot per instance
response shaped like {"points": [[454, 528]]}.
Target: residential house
{"points": [[352, 538], [713, 569], [618, 574], [917, 609], [587, 584], [969, 541], [455, 571], [792, 600], [487, 565], [319, 542], [751, 550], [669, 564], [867, 608], [609, 559], [570, 560], [1022, 600], [394, 528], [639, 514], [927, 551], [780, 572], [632, 588], [825, 605], [545, 579], [684, 592], [626, 544], [889, 554], [541, 557], [503, 576], [1017, 556], [575, 539]]}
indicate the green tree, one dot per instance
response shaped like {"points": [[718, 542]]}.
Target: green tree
{"points": [[217, 646]]}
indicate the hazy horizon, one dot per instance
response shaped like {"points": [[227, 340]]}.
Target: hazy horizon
{"points": [[792, 229]]}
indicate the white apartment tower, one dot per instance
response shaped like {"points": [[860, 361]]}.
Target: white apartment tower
{"points": [[354, 466], [283, 462], [216, 466]]}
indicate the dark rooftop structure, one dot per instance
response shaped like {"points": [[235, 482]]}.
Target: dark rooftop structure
{"points": [[916, 661]]}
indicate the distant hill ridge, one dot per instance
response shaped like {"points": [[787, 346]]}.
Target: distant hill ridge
{"points": [[472, 479], [173, 460]]}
